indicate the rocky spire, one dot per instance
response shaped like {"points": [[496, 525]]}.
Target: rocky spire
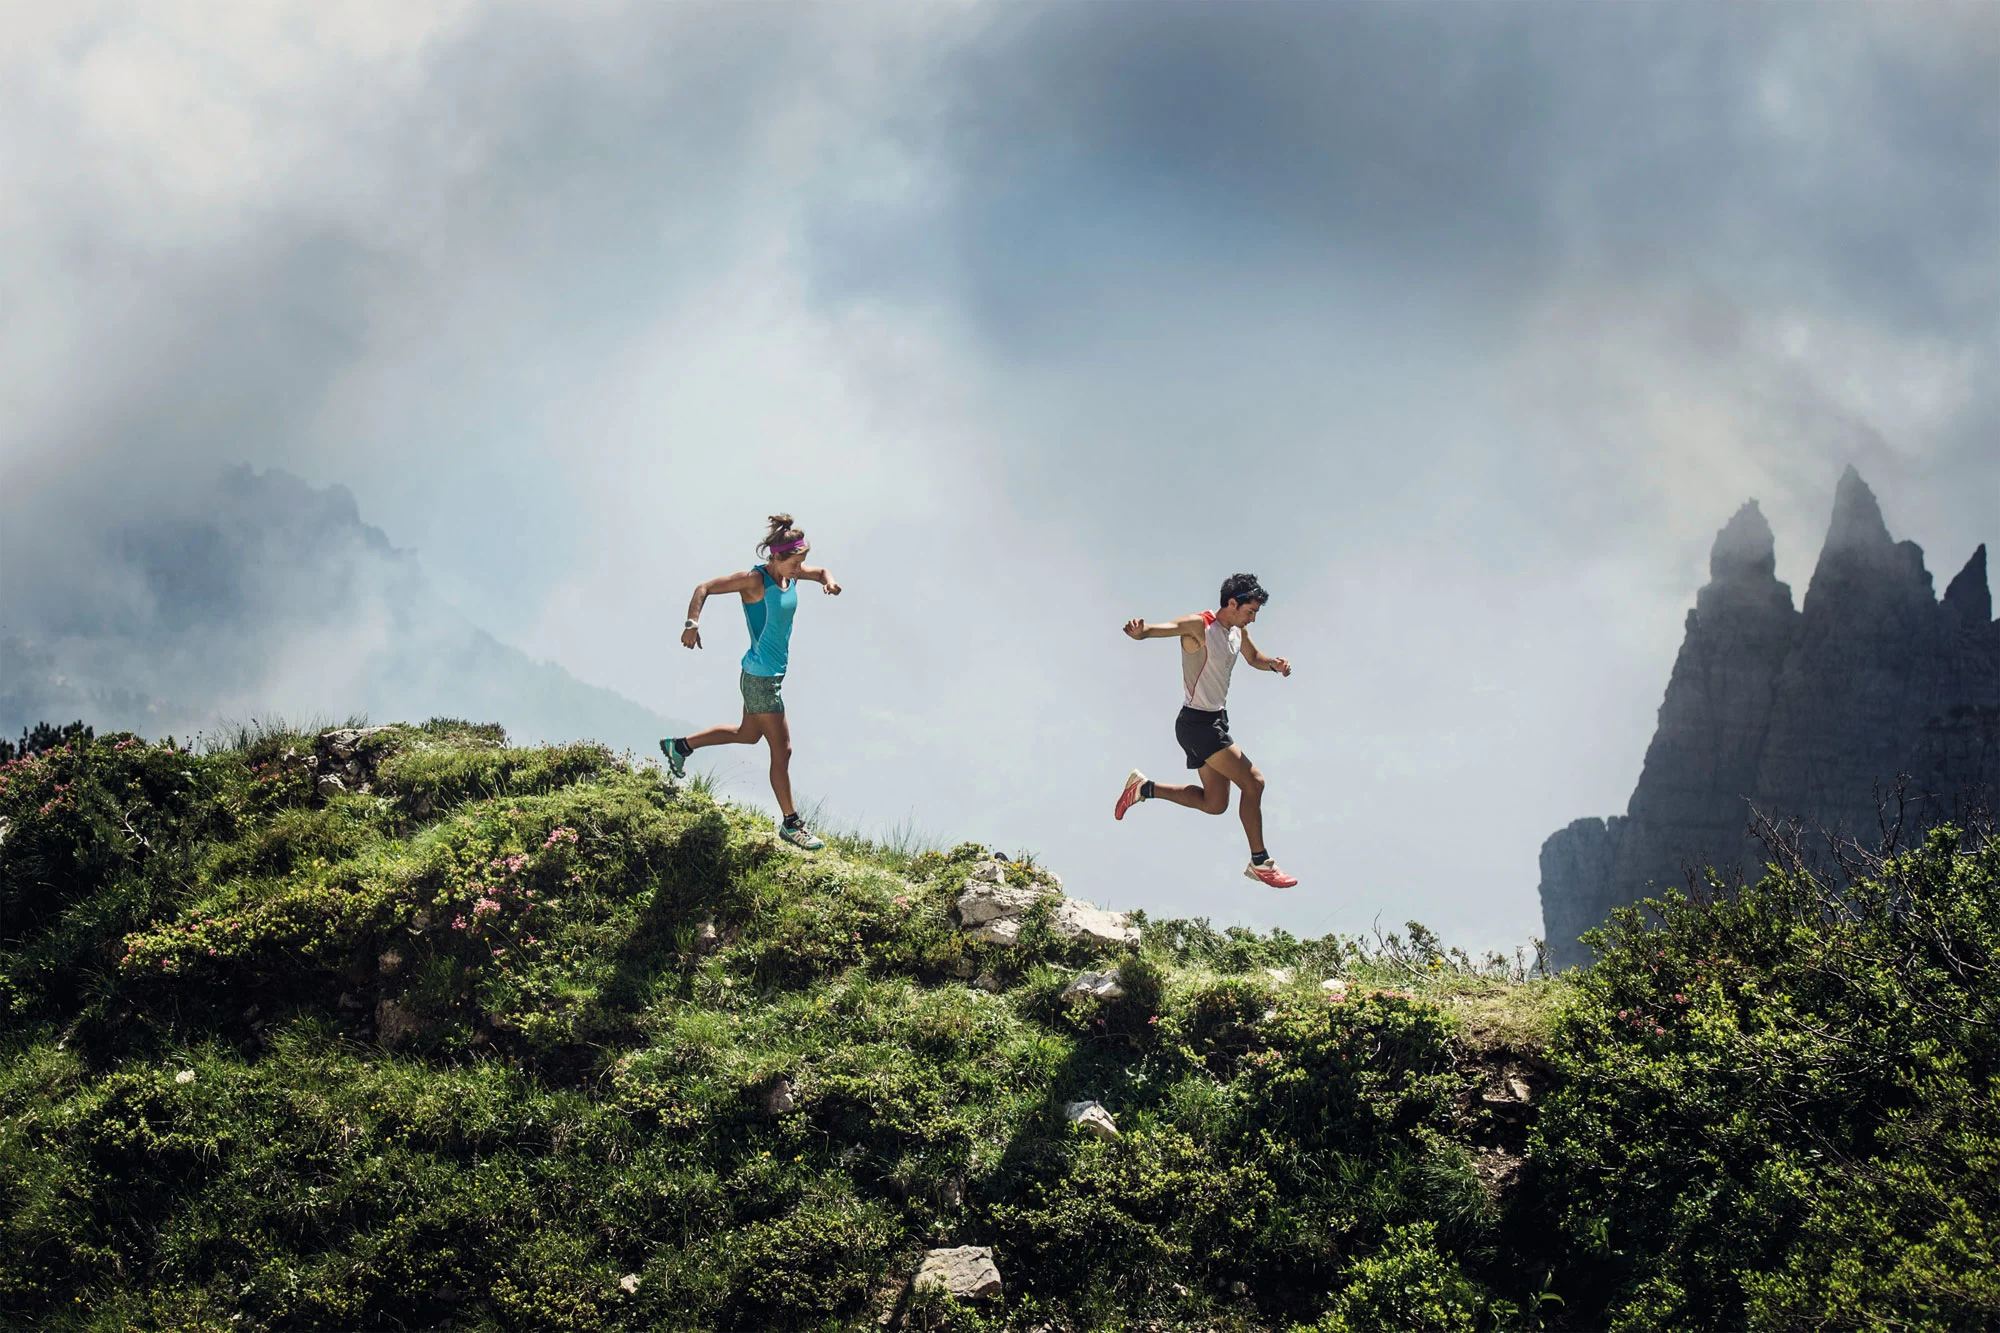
{"points": [[1968, 594], [1744, 548], [1865, 576], [1857, 519], [1742, 567]]}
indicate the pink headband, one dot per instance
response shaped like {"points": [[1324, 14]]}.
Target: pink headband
{"points": [[786, 548]]}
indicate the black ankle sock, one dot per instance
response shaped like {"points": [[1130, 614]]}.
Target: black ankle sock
{"points": [[1260, 858], [1146, 790], [793, 821], [681, 745]]}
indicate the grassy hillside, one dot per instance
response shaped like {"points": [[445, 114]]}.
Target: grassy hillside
{"points": [[410, 1029]]}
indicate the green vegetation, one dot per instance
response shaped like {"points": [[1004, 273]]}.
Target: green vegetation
{"points": [[405, 1028]]}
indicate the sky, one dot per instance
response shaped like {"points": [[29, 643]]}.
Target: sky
{"points": [[1464, 326]]}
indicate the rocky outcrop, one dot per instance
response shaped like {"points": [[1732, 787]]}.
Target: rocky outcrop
{"points": [[991, 910], [964, 1272], [1811, 714]]}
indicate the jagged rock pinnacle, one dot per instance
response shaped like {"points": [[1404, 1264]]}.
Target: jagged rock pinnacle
{"points": [[1857, 518], [1744, 548], [1872, 687], [1968, 594]]}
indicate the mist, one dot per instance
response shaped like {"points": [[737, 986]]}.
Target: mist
{"points": [[1464, 327]]}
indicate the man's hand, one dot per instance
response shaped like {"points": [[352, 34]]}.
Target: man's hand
{"points": [[1135, 628], [1281, 666], [691, 637]]}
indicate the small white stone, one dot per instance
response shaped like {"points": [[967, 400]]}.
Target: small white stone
{"points": [[1092, 1118], [629, 1283], [185, 1076], [1281, 975]]}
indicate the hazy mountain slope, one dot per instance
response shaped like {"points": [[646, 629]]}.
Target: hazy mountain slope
{"points": [[253, 595]]}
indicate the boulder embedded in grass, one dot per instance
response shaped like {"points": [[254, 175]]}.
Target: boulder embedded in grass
{"points": [[1005, 931], [1094, 986], [1076, 919], [966, 1272], [981, 903]]}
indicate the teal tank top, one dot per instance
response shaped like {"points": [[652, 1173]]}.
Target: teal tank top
{"points": [[770, 624]]}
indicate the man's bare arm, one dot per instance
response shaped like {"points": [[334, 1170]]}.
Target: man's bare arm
{"points": [[1186, 627], [1257, 658]]}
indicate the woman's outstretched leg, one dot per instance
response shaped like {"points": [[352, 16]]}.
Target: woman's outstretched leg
{"points": [[773, 728], [745, 732], [678, 748]]}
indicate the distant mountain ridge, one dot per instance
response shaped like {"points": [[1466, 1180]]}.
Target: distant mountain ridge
{"points": [[1800, 714], [267, 595]]}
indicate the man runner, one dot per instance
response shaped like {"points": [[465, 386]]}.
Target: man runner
{"points": [[1210, 644]]}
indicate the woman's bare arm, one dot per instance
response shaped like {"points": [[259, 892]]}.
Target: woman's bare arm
{"points": [[739, 582], [822, 577]]}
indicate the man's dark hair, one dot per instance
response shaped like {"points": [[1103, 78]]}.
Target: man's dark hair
{"points": [[1242, 588]]}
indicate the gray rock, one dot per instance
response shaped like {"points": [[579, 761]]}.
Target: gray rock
{"points": [[344, 742], [983, 902], [1094, 986], [389, 962], [966, 967], [988, 872], [1075, 919], [331, 786], [778, 1099], [395, 1024], [1797, 715], [1092, 1118], [1005, 932], [966, 1272], [1280, 975], [987, 982]]}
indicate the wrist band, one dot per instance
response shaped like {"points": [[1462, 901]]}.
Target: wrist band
{"points": [[692, 624]]}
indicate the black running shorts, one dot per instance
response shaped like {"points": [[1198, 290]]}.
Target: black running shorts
{"points": [[1202, 734]]}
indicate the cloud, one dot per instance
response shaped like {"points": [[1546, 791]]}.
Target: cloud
{"points": [[1465, 326]]}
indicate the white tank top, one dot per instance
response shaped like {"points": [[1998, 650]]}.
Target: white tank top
{"points": [[1206, 673]]}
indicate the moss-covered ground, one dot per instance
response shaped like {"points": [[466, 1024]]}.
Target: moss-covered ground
{"points": [[411, 1029]]}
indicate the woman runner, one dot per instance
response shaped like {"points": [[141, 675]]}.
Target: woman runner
{"points": [[770, 598]]}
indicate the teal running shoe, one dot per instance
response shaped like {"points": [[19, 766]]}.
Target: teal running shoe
{"points": [[800, 836], [677, 763]]}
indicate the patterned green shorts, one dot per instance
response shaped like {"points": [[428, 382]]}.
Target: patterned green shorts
{"points": [[761, 693]]}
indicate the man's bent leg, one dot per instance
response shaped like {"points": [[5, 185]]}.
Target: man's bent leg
{"points": [[1234, 765], [1211, 797]]}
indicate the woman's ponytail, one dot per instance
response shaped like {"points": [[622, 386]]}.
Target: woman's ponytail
{"points": [[783, 539]]}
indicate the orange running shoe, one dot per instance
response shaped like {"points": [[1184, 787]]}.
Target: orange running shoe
{"points": [[1130, 796], [1269, 875]]}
